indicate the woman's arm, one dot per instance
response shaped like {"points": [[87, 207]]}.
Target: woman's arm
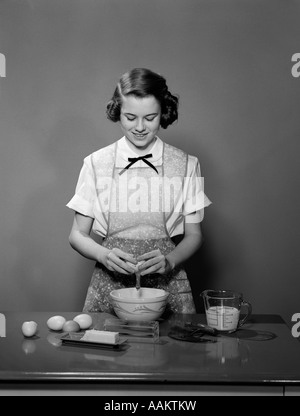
{"points": [[155, 262], [82, 242], [188, 246]]}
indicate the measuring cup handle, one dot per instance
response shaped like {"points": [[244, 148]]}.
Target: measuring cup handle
{"points": [[249, 312]]}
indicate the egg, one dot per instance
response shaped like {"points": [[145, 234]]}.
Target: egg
{"points": [[84, 321], [71, 326], [56, 323], [29, 329], [135, 266]]}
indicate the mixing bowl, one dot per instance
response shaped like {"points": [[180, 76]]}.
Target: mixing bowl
{"points": [[145, 304]]}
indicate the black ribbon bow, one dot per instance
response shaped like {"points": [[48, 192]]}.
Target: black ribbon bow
{"points": [[133, 160]]}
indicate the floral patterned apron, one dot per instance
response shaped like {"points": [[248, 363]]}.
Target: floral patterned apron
{"points": [[137, 226]]}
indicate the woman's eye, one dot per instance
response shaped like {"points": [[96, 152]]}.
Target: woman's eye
{"points": [[129, 118]]}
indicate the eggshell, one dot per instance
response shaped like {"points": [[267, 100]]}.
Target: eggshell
{"points": [[71, 326], [84, 321], [29, 329], [135, 266], [56, 323]]}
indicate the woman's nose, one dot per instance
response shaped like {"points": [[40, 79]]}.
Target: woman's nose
{"points": [[140, 126]]}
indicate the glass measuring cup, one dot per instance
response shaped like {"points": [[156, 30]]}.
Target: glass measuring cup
{"points": [[223, 308]]}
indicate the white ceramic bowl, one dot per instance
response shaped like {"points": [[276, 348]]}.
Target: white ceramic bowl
{"points": [[146, 304]]}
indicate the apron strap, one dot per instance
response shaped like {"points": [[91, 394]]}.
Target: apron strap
{"points": [[175, 163]]}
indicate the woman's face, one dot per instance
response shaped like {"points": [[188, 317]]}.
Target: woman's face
{"points": [[140, 120]]}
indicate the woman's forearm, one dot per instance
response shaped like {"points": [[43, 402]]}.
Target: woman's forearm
{"points": [[185, 249], [86, 246]]}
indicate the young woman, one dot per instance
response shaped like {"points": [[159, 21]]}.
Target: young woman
{"points": [[137, 194]]}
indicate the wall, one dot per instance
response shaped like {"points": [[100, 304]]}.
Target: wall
{"points": [[230, 62]]}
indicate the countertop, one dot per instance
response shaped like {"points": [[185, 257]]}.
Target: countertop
{"points": [[262, 353]]}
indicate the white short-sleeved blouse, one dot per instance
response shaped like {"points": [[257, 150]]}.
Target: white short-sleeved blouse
{"points": [[194, 198]]}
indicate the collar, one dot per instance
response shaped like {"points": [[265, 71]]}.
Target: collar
{"points": [[124, 152]]}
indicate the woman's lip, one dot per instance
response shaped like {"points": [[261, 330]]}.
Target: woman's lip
{"points": [[139, 135]]}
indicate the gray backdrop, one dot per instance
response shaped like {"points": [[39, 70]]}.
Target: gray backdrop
{"points": [[230, 62]]}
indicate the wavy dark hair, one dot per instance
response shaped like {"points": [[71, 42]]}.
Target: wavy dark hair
{"points": [[142, 82]]}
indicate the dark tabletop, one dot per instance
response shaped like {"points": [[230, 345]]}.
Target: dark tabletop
{"points": [[263, 352]]}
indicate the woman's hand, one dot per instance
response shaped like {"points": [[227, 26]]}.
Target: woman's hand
{"points": [[154, 262], [117, 260]]}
